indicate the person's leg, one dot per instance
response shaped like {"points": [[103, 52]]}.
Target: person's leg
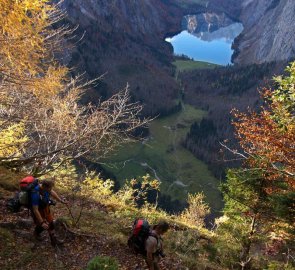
{"points": [[156, 262], [51, 231], [156, 266], [38, 228]]}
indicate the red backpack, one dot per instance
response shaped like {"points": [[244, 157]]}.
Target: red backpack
{"points": [[22, 198], [26, 185]]}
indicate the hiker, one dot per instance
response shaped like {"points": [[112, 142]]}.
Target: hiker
{"points": [[154, 245], [40, 203]]}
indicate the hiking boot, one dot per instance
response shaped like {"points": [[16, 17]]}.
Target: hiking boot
{"points": [[38, 236], [55, 242]]}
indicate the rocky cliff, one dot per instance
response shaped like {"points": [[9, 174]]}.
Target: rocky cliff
{"points": [[269, 31], [206, 22]]}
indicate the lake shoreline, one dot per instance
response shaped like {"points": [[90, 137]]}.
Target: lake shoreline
{"points": [[213, 47]]}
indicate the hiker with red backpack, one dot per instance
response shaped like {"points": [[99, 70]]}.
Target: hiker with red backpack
{"points": [[148, 241], [154, 245], [37, 197]]}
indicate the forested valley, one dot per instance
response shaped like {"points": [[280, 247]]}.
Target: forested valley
{"points": [[218, 91]]}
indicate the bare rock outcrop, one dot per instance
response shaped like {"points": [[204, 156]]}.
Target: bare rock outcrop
{"points": [[269, 31]]}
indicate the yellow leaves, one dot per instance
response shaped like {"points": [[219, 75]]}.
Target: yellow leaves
{"points": [[148, 183], [95, 187], [23, 28], [194, 215], [50, 84], [33, 5], [12, 139], [92, 186], [39, 92]]}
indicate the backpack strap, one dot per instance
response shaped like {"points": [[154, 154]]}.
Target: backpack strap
{"points": [[154, 235], [159, 239]]}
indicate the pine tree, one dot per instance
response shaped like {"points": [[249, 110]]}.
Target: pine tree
{"points": [[259, 198]]}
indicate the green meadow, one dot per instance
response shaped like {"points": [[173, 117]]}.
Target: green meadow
{"points": [[187, 65], [188, 3], [163, 157]]}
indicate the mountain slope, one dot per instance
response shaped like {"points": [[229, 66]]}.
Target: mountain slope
{"points": [[125, 39], [269, 33], [269, 29]]}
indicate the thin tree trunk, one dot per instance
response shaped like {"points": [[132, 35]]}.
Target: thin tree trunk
{"points": [[245, 257]]}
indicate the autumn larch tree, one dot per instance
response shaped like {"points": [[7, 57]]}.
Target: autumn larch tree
{"points": [[42, 122]]}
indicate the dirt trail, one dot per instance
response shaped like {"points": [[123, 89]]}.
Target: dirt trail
{"points": [[19, 250]]}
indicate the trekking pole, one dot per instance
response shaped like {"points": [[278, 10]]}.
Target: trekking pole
{"points": [[76, 220], [70, 212]]}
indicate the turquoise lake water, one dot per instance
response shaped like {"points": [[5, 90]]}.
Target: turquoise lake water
{"points": [[213, 47]]}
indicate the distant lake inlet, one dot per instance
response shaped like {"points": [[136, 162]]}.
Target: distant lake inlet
{"points": [[213, 47]]}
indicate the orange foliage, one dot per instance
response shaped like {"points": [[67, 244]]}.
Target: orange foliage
{"points": [[270, 147]]}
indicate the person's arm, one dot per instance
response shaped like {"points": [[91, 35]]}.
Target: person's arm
{"points": [[43, 223], [151, 247], [55, 196]]}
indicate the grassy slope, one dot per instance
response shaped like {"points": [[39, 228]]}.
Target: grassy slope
{"points": [[188, 3], [179, 171], [103, 230]]}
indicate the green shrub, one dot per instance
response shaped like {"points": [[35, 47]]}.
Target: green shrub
{"points": [[103, 263], [273, 265]]}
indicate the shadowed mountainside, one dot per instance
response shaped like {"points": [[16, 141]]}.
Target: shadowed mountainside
{"points": [[125, 40]]}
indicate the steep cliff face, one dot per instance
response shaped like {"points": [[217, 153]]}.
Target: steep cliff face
{"points": [[269, 28], [269, 31], [205, 22], [143, 17]]}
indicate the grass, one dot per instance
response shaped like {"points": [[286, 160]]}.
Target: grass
{"points": [[163, 157], [187, 65], [16, 257], [185, 241], [103, 262], [115, 226], [9, 179], [188, 3]]}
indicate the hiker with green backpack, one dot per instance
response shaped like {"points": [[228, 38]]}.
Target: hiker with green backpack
{"points": [[37, 197], [148, 241]]}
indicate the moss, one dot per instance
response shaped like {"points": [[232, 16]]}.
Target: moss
{"points": [[103, 263]]}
